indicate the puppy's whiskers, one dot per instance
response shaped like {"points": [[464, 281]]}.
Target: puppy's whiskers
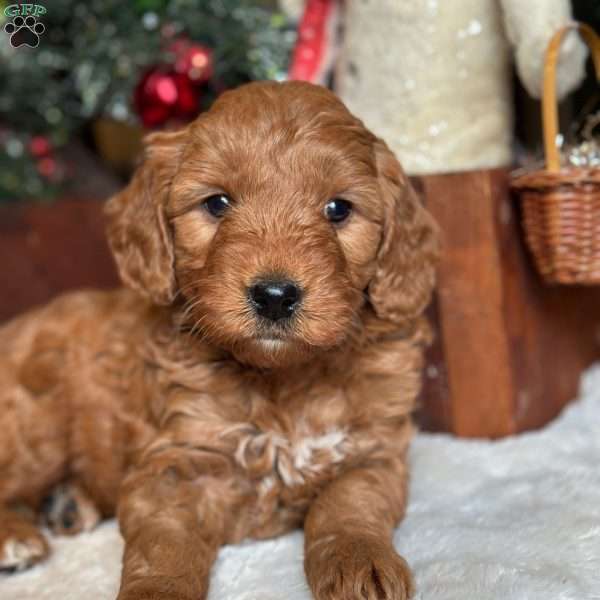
{"points": [[188, 307], [201, 325]]}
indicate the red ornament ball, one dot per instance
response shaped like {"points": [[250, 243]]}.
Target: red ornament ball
{"points": [[39, 146], [195, 61], [162, 95]]}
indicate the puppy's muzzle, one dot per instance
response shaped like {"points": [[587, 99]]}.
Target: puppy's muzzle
{"points": [[274, 299]]}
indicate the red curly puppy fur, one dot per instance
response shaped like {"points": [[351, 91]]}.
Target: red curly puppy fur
{"points": [[178, 405]]}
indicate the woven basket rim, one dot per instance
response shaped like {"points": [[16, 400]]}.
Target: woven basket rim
{"points": [[542, 178]]}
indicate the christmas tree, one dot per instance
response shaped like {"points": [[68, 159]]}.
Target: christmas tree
{"points": [[150, 62]]}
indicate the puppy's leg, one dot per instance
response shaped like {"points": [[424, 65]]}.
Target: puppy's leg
{"points": [[174, 518], [33, 433], [31, 459], [348, 548], [21, 543], [68, 510]]}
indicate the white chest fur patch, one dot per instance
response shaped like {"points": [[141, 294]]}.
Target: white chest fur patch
{"points": [[304, 450], [294, 461]]}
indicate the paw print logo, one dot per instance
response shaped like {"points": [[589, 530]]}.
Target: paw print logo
{"points": [[24, 31]]}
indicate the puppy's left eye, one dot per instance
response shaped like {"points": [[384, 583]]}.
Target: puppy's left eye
{"points": [[217, 205], [338, 210]]}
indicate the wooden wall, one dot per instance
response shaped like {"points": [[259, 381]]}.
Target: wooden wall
{"points": [[510, 349]]}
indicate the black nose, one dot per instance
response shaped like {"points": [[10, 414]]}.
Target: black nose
{"points": [[274, 299]]}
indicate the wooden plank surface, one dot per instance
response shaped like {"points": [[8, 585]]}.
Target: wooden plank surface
{"points": [[50, 248], [514, 348], [470, 297]]}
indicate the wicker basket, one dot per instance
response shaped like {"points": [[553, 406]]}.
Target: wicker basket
{"points": [[561, 206]]}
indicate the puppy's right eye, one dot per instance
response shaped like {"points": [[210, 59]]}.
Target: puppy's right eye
{"points": [[217, 205], [337, 210]]}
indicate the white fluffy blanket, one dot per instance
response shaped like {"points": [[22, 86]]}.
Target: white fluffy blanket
{"points": [[517, 519]]}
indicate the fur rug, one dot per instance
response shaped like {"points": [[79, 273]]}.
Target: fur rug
{"points": [[517, 519]]}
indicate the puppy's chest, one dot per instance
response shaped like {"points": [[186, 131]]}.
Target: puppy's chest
{"points": [[287, 470]]}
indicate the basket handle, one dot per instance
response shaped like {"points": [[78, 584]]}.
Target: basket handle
{"points": [[549, 101]]}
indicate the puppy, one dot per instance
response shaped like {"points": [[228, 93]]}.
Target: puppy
{"points": [[258, 373]]}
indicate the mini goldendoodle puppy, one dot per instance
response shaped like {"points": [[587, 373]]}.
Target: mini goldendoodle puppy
{"points": [[259, 373]]}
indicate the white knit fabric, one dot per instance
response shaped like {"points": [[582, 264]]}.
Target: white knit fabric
{"points": [[517, 519], [432, 77]]}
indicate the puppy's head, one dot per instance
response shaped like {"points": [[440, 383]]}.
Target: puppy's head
{"points": [[277, 220]]}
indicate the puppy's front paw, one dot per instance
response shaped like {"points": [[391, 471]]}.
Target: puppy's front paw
{"points": [[21, 545], [160, 588], [347, 567]]}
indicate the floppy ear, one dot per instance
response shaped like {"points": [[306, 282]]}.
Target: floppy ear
{"points": [[405, 274], [138, 231]]}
